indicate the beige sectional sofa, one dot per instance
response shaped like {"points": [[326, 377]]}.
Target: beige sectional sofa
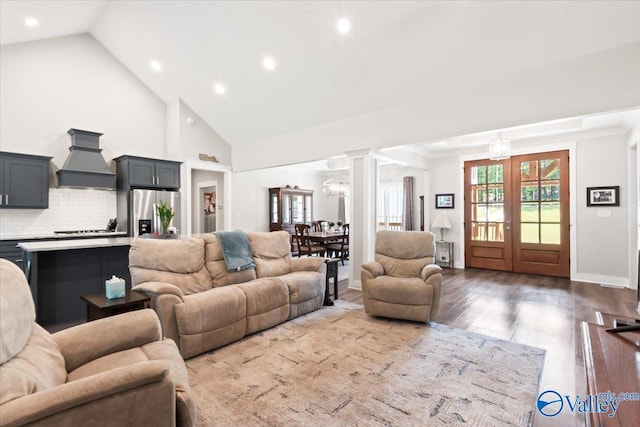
{"points": [[202, 306]]}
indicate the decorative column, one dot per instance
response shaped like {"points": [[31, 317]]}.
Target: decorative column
{"points": [[363, 179]]}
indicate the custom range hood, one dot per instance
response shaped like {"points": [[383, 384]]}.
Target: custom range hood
{"points": [[85, 166]]}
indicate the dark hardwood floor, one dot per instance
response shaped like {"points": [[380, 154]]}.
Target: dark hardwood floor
{"points": [[540, 311]]}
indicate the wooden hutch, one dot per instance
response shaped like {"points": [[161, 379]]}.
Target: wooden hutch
{"points": [[289, 206]]}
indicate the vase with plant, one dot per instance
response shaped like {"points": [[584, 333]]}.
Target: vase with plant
{"points": [[166, 214]]}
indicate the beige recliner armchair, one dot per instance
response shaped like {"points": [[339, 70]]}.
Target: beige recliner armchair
{"points": [[111, 372], [403, 282]]}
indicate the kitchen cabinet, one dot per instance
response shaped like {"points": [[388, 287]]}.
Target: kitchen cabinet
{"points": [[24, 181], [140, 172], [289, 206]]}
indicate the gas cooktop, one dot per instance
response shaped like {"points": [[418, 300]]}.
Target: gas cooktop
{"points": [[82, 232]]}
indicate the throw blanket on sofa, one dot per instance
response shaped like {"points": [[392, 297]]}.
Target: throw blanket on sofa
{"points": [[236, 250]]}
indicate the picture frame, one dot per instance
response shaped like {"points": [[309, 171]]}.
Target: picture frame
{"points": [[445, 201], [603, 196]]}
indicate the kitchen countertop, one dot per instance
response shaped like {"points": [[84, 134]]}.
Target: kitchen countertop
{"points": [[62, 245], [60, 236]]}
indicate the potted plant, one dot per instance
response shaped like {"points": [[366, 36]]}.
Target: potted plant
{"points": [[166, 214]]}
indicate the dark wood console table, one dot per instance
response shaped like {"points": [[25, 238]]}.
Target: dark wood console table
{"points": [[611, 364]]}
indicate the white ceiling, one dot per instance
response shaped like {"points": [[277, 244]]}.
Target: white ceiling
{"points": [[398, 53]]}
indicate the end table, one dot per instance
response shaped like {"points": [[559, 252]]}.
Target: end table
{"points": [[98, 306], [444, 254], [332, 272]]}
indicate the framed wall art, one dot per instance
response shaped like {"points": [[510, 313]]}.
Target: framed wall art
{"points": [[603, 196], [445, 201]]}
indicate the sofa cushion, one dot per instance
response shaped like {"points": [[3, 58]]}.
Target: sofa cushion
{"points": [[271, 252], [214, 261], [39, 366], [267, 303], [306, 292], [400, 290], [211, 319], [179, 262], [304, 286]]}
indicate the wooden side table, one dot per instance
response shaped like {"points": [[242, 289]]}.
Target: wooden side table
{"points": [[332, 272], [98, 306]]}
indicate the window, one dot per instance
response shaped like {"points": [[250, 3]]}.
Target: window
{"points": [[390, 206]]}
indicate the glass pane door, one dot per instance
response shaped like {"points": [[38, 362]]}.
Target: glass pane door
{"points": [[487, 203], [274, 207], [297, 208], [540, 201], [286, 209]]}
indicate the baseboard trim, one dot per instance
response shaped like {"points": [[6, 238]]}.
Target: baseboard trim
{"points": [[355, 284], [608, 281]]}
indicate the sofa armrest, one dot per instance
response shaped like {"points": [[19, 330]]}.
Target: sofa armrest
{"points": [[154, 289], [375, 268], [429, 270], [89, 341], [307, 264], [111, 394]]}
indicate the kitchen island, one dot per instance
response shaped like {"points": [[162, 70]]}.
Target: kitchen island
{"points": [[61, 271]]}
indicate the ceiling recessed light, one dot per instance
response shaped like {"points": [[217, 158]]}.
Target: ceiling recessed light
{"points": [[219, 89], [155, 66], [269, 63], [343, 25], [31, 22]]}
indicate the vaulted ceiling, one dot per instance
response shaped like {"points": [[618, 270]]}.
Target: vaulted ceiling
{"points": [[396, 54]]}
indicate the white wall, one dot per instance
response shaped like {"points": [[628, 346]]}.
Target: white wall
{"points": [[602, 242], [445, 177], [198, 137], [251, 196], [49, 86]]}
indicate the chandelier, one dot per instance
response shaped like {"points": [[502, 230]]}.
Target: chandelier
{"points": [[334, 188], [500, 148]]}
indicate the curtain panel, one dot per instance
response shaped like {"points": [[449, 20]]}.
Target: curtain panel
{"points": [[407, 197]]}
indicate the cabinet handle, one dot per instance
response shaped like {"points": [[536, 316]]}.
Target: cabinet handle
{"points": [[6, 199]]}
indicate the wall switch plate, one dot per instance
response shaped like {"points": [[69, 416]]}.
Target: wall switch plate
{"points": [[603, 213]]}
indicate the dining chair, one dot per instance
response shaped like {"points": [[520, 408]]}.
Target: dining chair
{"points": [[317, 225], [305, 245], [341, 246]]}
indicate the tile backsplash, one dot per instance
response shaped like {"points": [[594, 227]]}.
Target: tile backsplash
{"points": [[69, 209]]}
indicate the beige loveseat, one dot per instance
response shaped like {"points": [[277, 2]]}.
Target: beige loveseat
{"points": [[115, 371], [202, 306]]}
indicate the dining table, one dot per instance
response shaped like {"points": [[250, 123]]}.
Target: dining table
{"points": [[323, 237]]}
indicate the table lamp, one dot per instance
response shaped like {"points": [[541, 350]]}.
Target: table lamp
{"points": [[441, 221]]}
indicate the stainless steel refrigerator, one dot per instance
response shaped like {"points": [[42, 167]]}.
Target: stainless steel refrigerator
{"points": [[143, 216]]}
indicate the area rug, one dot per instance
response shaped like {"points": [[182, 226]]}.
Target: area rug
{"points": [[340, 367]]}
